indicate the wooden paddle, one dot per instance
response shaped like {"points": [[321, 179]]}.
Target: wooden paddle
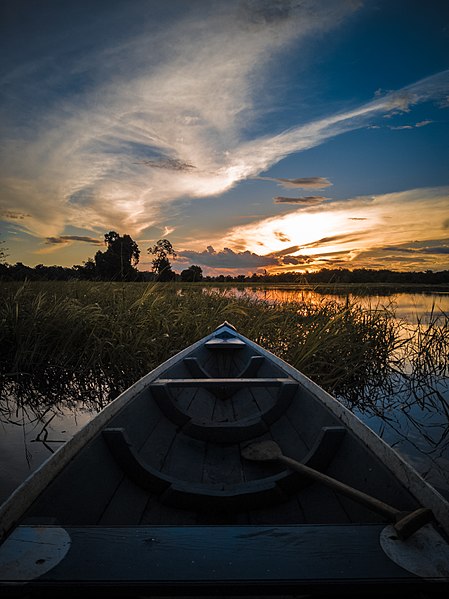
{"points": [[406, 523]]}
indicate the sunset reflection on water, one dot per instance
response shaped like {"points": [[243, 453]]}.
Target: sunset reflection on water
{"points": [[411, 307]]}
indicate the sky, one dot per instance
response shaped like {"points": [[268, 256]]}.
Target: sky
{"points": [[278, 135]]}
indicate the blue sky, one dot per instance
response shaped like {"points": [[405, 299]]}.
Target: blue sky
{"points": [[277, 134]]}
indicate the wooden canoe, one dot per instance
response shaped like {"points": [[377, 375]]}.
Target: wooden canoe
{"points": [[157, 493]]}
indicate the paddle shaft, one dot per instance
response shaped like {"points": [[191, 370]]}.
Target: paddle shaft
{"points": [[374, 504]]}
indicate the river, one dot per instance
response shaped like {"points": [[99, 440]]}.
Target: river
{"points": [[417, 429]]}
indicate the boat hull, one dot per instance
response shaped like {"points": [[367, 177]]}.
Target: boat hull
{"points": [[155, 494]]}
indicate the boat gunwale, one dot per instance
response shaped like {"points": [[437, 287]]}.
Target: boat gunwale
{"points": [[21, 499]]}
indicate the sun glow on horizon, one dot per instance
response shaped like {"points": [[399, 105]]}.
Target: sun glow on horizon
{"points": [[341, 231], [305, 232]]}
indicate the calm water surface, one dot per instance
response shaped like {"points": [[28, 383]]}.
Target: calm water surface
{"points": [[407, 306], [419, 431]]}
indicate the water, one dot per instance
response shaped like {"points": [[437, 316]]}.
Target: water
{"points": [[28, 437], [407, 306], [415, 424]]}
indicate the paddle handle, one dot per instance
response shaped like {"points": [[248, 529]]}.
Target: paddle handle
{"points": [[371, 502]]}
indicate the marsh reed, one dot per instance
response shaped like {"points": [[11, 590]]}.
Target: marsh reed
{"points": [[87, 340]]}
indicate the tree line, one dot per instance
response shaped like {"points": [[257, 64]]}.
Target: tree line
{"points": [[118, 262]]}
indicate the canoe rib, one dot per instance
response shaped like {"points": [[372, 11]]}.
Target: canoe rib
{"points": [[224, 432], [237, 497], [250, 370]]}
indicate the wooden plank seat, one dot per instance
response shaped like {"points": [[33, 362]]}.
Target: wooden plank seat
{"points": [[249, 370], [223, 387], [206, 560], [234, 382], [241, 496], [227, 343], [223, 432]]}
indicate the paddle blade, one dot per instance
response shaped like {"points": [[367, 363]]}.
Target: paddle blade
{"points": [[261, 452]]}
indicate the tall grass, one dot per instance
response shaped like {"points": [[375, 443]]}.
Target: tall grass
{"points": [[92, 340]]}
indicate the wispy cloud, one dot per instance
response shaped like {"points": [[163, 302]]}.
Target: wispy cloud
{"points": [[163, 103], [306, 200], [415, 126], [169, 117], [262, 153], [169, 163]]}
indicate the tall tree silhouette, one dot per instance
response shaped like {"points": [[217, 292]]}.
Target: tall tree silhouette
{"points": [[161, 263], [120, 259]]}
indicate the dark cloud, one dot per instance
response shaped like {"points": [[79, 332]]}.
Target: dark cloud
{"points": [[435, 250], [290, 250], [401, 250], [336, 253], [13, 215], [297, 260], [358, 218], [446, 224], [416, 259], [281, 236], [68, 238], [230, 259], [172, 164], [306, 200], [332, 239], [441, 249], [302, 183], [226, 258], [54, 240]]}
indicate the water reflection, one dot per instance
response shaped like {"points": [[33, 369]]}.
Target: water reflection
{"points": [[412, 417], [406, 306], [36, 418]]}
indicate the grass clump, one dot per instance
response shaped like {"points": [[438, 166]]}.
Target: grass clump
{"points": [[90, 339]]}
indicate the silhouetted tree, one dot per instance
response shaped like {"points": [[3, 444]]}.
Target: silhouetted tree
{"points": [[87, 271], [3, 252], [192, 274], [161, 264], [119, 261]]}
